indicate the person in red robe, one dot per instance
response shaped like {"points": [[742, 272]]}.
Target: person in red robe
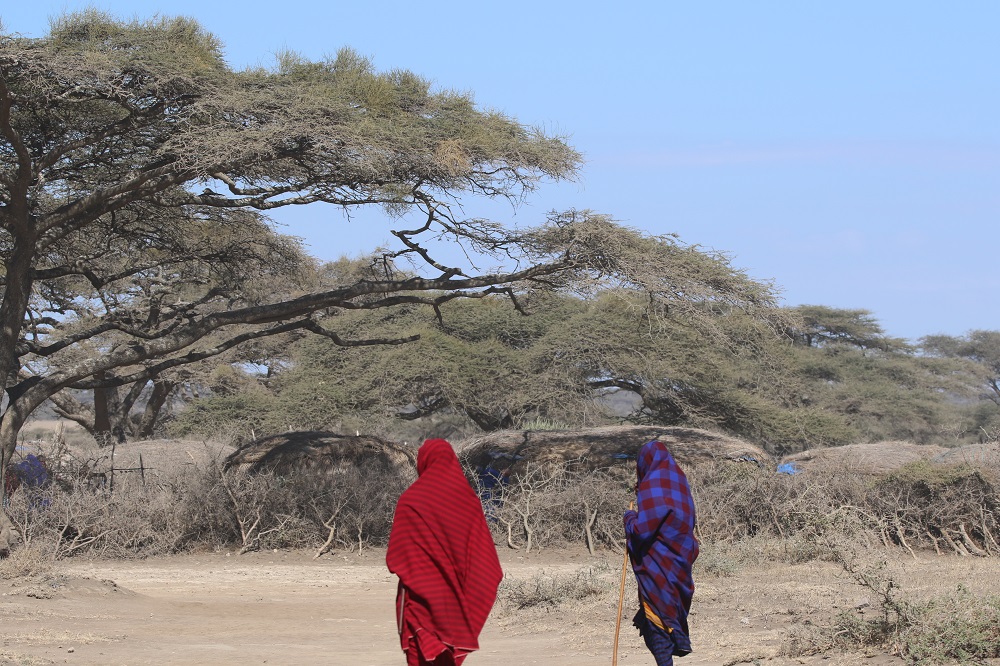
{"points": [[444, 555]]}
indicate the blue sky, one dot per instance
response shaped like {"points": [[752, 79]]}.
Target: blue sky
{"points": [[848, 151]]}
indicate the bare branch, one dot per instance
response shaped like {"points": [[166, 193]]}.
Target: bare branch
{"points": [[314, 327]]}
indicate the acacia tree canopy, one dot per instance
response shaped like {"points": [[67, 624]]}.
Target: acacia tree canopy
{"points": [[593, 361], [137, 167], [821, 325], [982, 347]]}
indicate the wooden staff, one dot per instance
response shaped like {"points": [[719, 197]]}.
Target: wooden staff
{"points": [[621, 598]]}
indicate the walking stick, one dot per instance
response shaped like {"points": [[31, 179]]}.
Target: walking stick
{"points": [[621, 598]]}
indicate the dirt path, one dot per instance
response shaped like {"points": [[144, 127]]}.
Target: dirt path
{"points": [[286, 608]]}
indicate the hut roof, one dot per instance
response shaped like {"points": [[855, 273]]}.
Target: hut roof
{"points": [[602, 447], [294, 451], [977, 455], [874, 458], [158, 457]]}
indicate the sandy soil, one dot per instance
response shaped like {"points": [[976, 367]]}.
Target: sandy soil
{"points": [[288, 608]]}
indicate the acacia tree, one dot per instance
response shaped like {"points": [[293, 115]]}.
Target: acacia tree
{"points": [[579, 361], [588, 361], [117, 257], [982, 347], [136, 170], [979, 351], [820, 325]]}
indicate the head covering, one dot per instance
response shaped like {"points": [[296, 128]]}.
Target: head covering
{"points": [[443, 553], [661, 540]]}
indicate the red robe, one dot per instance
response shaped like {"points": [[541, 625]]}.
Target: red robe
{"points": [[443, 552]]}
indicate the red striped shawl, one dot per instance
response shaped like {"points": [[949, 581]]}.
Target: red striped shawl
{"points": [[443, 553]]}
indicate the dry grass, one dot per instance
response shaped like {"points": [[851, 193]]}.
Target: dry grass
{"points": [[547, 589], [986, 455], [61, 638], [875, 458], [16, 659], [945, 626], [599, 448], [26, 563]]}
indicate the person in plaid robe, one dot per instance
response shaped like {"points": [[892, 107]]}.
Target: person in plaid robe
{"points": [[662, 548]]}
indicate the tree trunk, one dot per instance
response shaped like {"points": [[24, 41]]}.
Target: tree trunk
{"points": [[162, 388], [102, 414], [13, 309]]}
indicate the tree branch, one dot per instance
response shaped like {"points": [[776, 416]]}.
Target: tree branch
{"points": [[151, 371], [18, 187], [315, 327]]}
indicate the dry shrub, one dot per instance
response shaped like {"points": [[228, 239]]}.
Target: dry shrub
{"points": [[747, 514], [26, 563], [352, 508], [551, 589], [959, 626], [740, 501], [125, 524], [953, 507], [950, 508], [197, 507], [557, 504]]}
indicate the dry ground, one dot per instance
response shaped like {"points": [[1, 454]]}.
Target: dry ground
{"points": [[287, 608]]}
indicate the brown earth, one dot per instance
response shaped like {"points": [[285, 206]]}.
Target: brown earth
{"points": [[288, 608]]}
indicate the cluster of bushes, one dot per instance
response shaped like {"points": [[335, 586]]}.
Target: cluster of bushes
{"points": [[921, 505], [950, 509], [208, 508]]}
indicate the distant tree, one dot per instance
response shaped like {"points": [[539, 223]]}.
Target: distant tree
{"points": [[894, 395], [821, 325], [979, 346], [136, 169]]}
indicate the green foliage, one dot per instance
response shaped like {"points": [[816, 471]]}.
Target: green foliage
{"points": [[930, 477], [822, 325], [980, 347], [240, 416], [875, 394], [606, 358]]}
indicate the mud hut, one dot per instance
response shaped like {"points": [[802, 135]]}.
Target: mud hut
{"points": [[510, 451], [873, 458], [986, 454], [323, 452]]}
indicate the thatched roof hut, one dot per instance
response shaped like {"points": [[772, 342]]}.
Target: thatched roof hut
{"points": [[596, 448], [976, 455], [292, 452], [145, 458], [874, 458]]}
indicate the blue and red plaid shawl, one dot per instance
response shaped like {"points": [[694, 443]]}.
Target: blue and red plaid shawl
{"points": [[661, 541]]}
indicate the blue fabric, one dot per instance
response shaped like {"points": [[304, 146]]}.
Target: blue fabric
{"points": [[788, 468], [661, 542], [33, 472], [660, 643]]}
